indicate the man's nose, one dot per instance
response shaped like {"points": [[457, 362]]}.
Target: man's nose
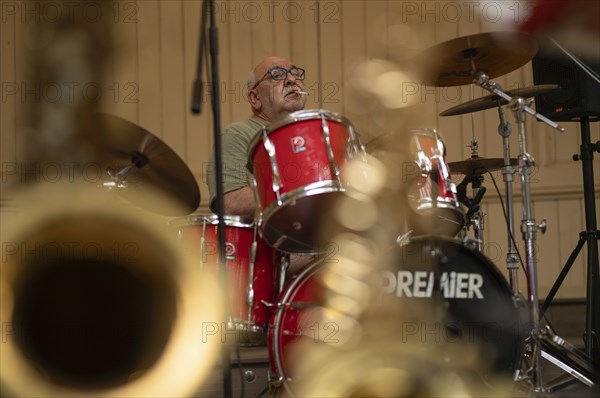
{"points": [[289, 79]]}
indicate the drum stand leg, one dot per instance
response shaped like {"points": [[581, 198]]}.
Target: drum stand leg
{"points": [[529, 229], [477, 222], [590, 237], [543, 343], [512, 259], [284, 263]]}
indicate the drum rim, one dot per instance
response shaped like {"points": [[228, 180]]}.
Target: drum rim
{"points": [[449, 206], [288, 290], [428, 131], [211, 219], [431, 133], [298, 116], [315, 188]]}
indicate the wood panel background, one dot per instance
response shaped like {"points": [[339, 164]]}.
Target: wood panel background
{"points": [[150, 74]]}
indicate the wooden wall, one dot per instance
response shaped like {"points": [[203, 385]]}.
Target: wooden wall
{"points": [[149, 79]]}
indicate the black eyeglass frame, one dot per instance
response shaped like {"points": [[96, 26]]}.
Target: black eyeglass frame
{"points": [[291, 71]]}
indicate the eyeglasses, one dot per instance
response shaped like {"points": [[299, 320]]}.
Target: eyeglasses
{"points": [[279, 73]]}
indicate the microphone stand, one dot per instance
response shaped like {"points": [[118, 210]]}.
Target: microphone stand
{"points": [[208, 6]]}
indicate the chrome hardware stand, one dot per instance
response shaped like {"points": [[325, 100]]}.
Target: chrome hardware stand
{"points": [[250, 286], [529, 228], [477, 218], [284, 263], [474, 216], [512, 259]]}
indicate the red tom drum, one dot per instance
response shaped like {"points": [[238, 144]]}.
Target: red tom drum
{"points": [[434, 206], [296, 166]]}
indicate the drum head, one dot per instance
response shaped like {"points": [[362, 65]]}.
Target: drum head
{"points": [[478, 306], [472, 306]]}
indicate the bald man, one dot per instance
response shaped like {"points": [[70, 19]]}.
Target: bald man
{"points": [[273, 92]]}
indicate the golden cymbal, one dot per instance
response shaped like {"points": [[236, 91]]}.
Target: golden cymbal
{"points": [[478, 165], [455, 62], [146, 163]]}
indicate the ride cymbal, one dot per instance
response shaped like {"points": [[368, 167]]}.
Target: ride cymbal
{"points": [[455, 62], [493, 100], [141, 164], [478, 165]]}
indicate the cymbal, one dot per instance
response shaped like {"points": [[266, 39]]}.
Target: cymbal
{"points": [[454, 62], [146, 165], [478, 165], [493, 100]]}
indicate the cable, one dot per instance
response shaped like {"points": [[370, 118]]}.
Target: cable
{"points": [[512, 238]]}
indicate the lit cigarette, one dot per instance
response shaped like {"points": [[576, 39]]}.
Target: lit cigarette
{"points": [[297, 91]]}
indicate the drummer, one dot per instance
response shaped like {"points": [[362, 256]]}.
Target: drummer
{"points": [[273, 87]]}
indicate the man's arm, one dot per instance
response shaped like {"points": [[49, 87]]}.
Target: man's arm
{"points": [[240, 202]]}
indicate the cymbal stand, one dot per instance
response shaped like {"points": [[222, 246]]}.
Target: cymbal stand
{"points": [[474, 216], [529, 227], [118, 177], [512, 259], [529, 230]]}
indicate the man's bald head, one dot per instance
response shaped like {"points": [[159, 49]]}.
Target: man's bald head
{"points": [[272, 99]]}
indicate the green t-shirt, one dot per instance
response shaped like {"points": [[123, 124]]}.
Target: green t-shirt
{"points": [[235, 140]]}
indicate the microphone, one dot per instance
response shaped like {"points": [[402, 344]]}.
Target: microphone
{"points": [[197, 96]]}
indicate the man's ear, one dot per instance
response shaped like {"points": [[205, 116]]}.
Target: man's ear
{"points": [[254, 100]]}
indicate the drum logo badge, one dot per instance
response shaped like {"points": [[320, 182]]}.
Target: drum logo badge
{"points": [[230, 251], [454, 285], [298, 144]]}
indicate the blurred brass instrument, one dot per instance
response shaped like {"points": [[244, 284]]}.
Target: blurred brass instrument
{"points": [[99, 301]]}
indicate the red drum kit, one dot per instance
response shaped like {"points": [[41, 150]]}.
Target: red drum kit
{"points": [[296, 169]]}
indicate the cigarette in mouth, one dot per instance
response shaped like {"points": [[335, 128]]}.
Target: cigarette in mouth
{"points": [[297, 91]]}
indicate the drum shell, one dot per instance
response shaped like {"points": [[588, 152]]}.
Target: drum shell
{"points": [[299, 164], [300, 176], [201, 234], [434, 205]]}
